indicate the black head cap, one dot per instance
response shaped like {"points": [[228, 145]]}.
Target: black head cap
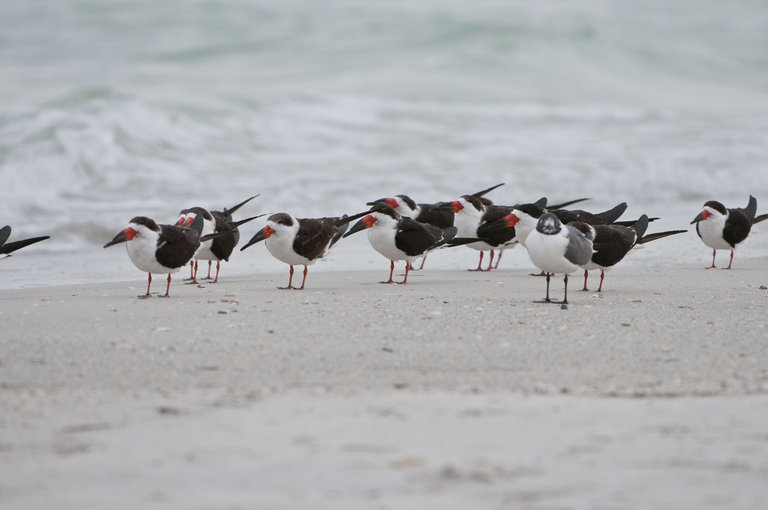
{"points": [[548, 224], [717, 206], [147, 222], [282, 219]]}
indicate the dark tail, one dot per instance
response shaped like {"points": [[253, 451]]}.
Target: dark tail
{"points": [[488, 190], [652, 237], [16, 245], [235, 224], [751, 208], [640, 226], [448, 235], [760, 218], [629, 223], [612, 215], [231, 210], [566, 204], [461, 241]]}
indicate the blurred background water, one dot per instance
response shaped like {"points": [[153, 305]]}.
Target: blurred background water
{"points": [[114, 108]]}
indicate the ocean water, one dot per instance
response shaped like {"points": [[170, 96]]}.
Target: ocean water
{"points": [[114, 108]]}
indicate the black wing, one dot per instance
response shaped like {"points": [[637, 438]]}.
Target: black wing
{"points": [[612, 243], [222, 246], [438, 215], [5, 233], [176, 245], [414, 238], [17, 245], [314, 236], [496, 237], [737, 226]]}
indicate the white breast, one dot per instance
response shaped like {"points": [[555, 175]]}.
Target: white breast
{"points": [[547, 253]]}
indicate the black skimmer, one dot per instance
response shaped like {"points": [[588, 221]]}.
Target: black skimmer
{"points": [[612, 242], [440, 214], [160, 249], [7, 248], [300, 241], [468, 214], [556, 248], [399, 237], [723, 229], [219, 248]]}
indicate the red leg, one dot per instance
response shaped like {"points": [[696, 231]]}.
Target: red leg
{"points": [[290, 280], [424, 259], [479, 263], [586, 274], [602, 275], [168, 287], [405, 279], [490, 262], [218, 264], [498, 259], [731, 261], [303, 279], [149, 282], [713, 260], [209, 271], [391, 271]]}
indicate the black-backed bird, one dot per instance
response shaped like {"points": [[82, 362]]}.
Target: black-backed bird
{"points": [[300, 241], [159, 249], [7, 248], [611, 243], [400, 238], [723, 229]]}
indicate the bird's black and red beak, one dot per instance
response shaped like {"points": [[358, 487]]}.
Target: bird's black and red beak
{"points": [[703, 215], [262, 234], [362, 224], [391, 202], [122, 236]]}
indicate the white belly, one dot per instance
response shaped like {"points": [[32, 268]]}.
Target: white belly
{"points": [[383, 241], [546, 252], [282, 249], [711, 233], [141, 251]]}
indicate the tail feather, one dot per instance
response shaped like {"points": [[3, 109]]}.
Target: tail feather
{"points": [[566, 204], [751, 208], [612, 215], [629, 223], [760, 218], [658, 235], [16, 245], [487, 190], [230, 210], [235, 224]]}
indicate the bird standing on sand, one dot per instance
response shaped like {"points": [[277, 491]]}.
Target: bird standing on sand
{"points": [[400, 238], [159, 249], [300, 240], [219, 248], [723, 229], [7, 248], [612, 242], [557, 248]]}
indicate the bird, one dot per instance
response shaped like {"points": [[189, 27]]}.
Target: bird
{"points": [[612, 242], [440, 214], [400, 237], [528, 215], [160, 249], [557, 248], [300, 241], [219, 248], [723, 229], [7, 248]]}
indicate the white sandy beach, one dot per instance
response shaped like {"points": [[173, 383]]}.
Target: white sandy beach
{"points": [[453, 391]]}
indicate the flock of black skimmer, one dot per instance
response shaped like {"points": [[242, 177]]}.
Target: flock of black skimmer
{"points": [[558, 240]]}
